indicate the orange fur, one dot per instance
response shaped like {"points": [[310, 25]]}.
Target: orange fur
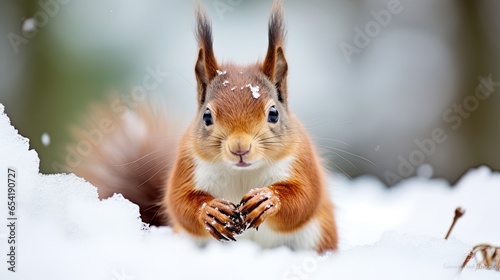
{"points": [[245, 162], [239, 124]]}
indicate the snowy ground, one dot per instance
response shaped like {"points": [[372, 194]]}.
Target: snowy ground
{"points": [[64, 232]]}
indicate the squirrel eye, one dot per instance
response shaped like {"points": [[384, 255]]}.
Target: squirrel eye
{"points": [[207, 117], [273, 115]]}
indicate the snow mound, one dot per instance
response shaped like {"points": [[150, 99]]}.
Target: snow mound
{"points": [[63, 231]]}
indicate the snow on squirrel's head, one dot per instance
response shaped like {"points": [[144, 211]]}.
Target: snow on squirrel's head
{"points": [[243, 117]]}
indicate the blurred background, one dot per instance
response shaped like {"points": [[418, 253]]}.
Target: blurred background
{"points": [[390, 88]]}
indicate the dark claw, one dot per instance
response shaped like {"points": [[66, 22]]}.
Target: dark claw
{"points": [[215, 233], [223, 220], [230, 237], [252, 224]]}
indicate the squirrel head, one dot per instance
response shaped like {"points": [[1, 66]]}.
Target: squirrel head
{"points": [[243, 118]]}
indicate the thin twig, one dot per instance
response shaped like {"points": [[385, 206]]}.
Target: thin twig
{"points": [[459, 212]]}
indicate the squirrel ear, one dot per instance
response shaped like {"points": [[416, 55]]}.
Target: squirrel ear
{"points": [[275, 66], [206, 65]]}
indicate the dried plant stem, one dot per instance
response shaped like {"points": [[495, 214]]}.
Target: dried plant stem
{"points": [[459, 212]]}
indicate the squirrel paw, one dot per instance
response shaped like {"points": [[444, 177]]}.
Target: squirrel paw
{"points": [[221, 219], [257, 205]]}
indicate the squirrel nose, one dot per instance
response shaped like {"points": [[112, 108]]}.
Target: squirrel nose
{"points": [[240, 152]]}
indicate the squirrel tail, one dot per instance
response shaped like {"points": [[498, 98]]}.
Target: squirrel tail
{"points": [[132, 152]]}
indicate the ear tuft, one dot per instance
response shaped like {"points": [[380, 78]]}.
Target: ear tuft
{"points": [[206, 64], [275, 66]]}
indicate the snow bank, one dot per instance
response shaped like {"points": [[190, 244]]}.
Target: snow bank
{"points": [[63, 231]]}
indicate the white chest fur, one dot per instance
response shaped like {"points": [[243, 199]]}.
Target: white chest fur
{"points": [[223, 181]]}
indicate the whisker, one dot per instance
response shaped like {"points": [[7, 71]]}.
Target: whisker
{"points": [[333, 140], [151, 177], [157, 211], [257, 135], [282, 143], [267, 149], [150, 207], [328, 171], [349, 153], [342, 157], [278, 136], [145, 163], [315, 123], [339, 168], [163, 163], [138, 159], [216, 159]]}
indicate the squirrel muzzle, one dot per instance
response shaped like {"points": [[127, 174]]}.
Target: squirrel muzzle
{"points": [[239, 150]]}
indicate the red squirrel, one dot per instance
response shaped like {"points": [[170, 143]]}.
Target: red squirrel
{"points": [[244, 168]]}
